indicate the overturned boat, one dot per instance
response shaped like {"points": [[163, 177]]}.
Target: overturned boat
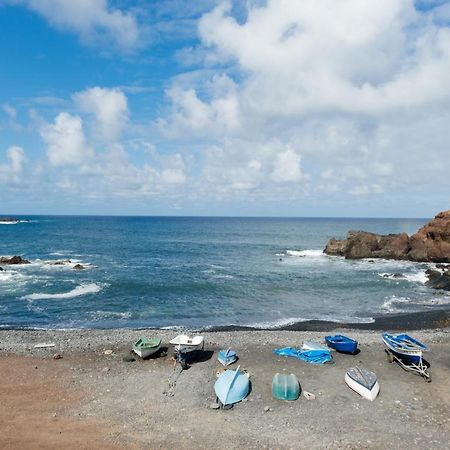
{"points": [[363, 381], [184, 343], [227, 357], [285, 387], [231, 387]]}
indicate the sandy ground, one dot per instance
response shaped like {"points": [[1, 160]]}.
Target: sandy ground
{"points": [[89, 399]]}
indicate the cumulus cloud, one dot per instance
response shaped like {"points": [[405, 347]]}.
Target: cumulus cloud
{"points": [[95, 21], [340, 92], [109, 108], [12, 170], [65, 140]]}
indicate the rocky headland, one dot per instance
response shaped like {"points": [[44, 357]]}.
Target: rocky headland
{"points": [[430, 244]]}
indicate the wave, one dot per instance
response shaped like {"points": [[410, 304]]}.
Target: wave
{"points": [[416, 277], [11, 276], [83, 289], [397, 304], [305, 253]]}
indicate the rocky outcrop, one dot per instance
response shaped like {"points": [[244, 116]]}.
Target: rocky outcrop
{"points": [[13, 260], [438, 280], [78, 267], [431, 243]]}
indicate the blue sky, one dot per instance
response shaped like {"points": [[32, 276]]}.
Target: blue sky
{"points": [[290, 108]]}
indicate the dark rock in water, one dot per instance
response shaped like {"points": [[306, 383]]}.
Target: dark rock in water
{"points": [[13, 260], [78, 267], [61, 262], [438, 280], [430, 244], [9, 219], [443, 266], [398, 275], [1, 269]]}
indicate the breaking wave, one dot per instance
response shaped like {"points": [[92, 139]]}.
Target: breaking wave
{"points": [[305, 253], [83, 289]]}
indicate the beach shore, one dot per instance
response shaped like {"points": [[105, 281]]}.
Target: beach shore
{"points": [[92, 398]]}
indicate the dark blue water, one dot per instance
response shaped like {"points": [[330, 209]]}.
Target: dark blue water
{"points": [[199, 272]]}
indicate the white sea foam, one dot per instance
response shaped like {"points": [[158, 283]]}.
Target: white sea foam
{"points": [[392, 303], [415, 277], [306, 253], [83, 289], [11, 276]]}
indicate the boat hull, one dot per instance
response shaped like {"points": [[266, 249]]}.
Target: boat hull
{"points": [[342, 344], [285, 387], [404, 346], [232, 387], [369, 392], [146, 347], [226, 357]]}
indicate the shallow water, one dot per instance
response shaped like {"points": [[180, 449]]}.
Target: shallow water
{"points": [[200, 272]]}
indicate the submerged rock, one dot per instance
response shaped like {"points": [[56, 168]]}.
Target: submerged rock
{"points": [[430, 244], [438, 280], [13, 260], [78, 267]]}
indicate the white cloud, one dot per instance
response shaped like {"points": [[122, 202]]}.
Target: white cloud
{"points": [[95, 21], [287, 167], [10, 111], [340, 92], [109, 108], [12, 170], [65, 140]]}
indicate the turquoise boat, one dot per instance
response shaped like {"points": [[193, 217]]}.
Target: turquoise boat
{"points": [[285, 387], [232, 386]]}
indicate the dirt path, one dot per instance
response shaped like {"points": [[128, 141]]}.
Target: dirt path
{"points": [[35, 395]]}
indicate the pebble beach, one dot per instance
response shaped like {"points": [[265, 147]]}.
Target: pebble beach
{"points": [[81, 394]]}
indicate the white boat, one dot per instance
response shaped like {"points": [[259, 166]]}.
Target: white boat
{"points": [[312, 345], [184, 343], [363, 381]]}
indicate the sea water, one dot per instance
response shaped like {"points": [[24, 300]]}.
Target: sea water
{"points": [[200, 272]]}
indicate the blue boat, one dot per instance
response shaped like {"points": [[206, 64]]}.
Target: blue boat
{"points": [[227, 357], [342, 344], [405, 346], [231, 387]]}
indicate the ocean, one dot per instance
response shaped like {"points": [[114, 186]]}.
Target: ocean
{"points": [[200, 273]]}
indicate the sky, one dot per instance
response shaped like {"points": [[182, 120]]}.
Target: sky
{"points": [[310, 108]]}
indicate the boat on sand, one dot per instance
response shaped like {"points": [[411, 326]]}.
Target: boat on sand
{"points": [[145, 347], [342, 344], [285, 387], [363, 381], [231, 387], [227, 357]]}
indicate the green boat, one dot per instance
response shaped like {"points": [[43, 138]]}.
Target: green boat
{"points": [[145, 347], [285, 387]]}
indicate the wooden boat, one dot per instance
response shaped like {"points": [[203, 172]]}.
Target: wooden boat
{"points": [[185, 344], [285, 387], [231, 387], [145, 347], [342, 344], [363, 381], [227, 357], [405, 346]]}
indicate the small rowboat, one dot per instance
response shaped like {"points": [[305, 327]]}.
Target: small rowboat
{"points": [[285, 387], [405, 346], [342, 344], [363, 381], [186, 344], [231, 387], [227, 357], [145, 347]]}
